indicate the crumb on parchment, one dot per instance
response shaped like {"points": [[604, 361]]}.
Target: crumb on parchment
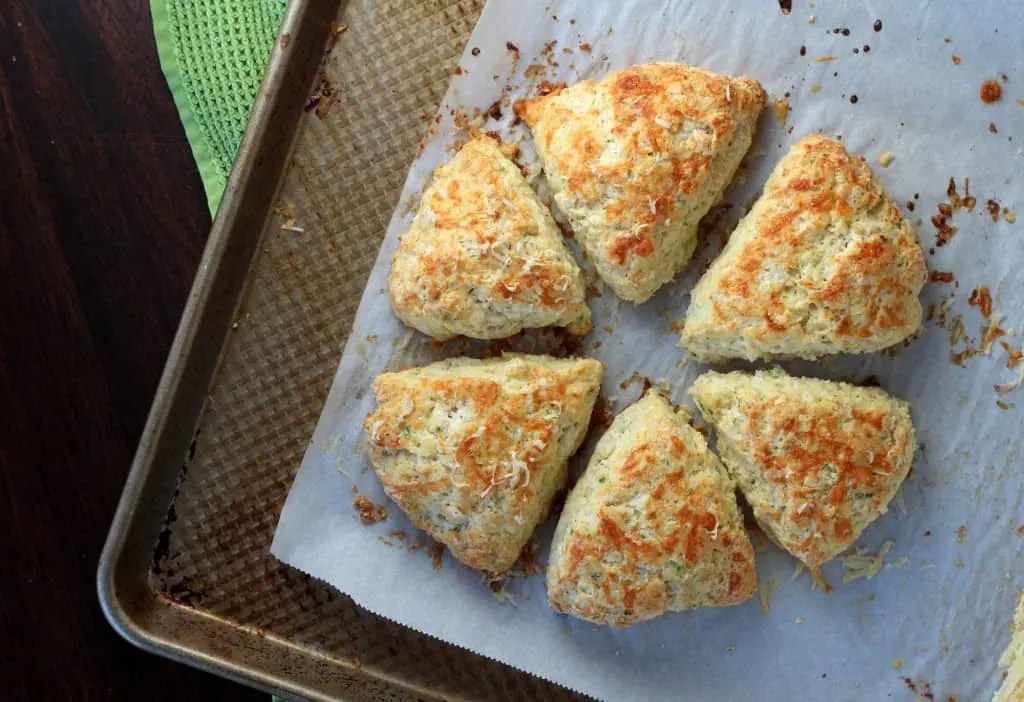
{"points": [[436, 553], [369, 511], [885, 158], [781, 109], [990, 91], [860, 564], [767, 590], [1013, 356]]}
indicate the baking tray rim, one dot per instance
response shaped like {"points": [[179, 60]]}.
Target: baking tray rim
{"points": [[298, 18]]}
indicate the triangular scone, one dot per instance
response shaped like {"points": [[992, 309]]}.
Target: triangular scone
{"points": [[816, 460], [483, 257], [637, 159], [651, 526], [474, 451], [824, 263]]}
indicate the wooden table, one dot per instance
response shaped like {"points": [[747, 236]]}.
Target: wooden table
{"points": [[102, 222]]}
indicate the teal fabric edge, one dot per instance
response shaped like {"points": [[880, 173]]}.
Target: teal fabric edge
{"points": [[213, 183]]}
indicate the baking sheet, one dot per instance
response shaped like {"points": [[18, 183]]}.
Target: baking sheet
{"points": [[933, 620]]}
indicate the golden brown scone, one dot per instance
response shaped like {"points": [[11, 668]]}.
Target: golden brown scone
{"points": [[817, 460], [637, 159], [824, 263], [651, 526], [1012, 661], [483, 257], [474, 451]]}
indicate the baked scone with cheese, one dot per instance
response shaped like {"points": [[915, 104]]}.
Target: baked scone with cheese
{"points": [[824, 263], [483, 257], [637, 159], [651, 526], [1012, 661], [474, 451], [817, 461]]}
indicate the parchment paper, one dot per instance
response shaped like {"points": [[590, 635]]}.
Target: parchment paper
{"points": [[934, 619]]}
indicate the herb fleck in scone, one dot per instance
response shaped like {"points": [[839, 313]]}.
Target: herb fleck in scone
{"points": [[651, 526], [483, 257], [824, 263], [1012, 661], [637, 159], [817, 461], [474, 451]]}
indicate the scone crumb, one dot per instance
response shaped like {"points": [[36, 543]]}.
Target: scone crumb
{"points": [[885, 158], [961, 533], [369, 511], [993, 209], [781, 109], [860, 564], [941, 276], [990, 91], [982, 299], [900, 502], [767, 592], [1013, 356], [826, 57], [436, 553], [799, 620], [956, 60], [898, 663], [1009, 215], [818, 580], [528, 560], [497, 588], [816, 88], [1012, 385]]}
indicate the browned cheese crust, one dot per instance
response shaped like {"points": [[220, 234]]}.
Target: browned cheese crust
{"points": [[824, 263], [652, 526], [637, 159], [474, 451]]}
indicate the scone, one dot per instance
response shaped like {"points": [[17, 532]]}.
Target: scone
{"points": [[474, 451], [824, 263], [1012, 661], [637, 159], [651, 526], [483, 257], [816, 460]]}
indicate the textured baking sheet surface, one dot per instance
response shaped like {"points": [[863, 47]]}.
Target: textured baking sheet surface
{"points": [[930, 621], [382, 81]]}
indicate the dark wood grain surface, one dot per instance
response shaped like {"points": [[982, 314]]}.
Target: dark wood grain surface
{"points": [[102, 222]]}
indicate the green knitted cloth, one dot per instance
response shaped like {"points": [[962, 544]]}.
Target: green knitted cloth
{"points": [[213, 54]]}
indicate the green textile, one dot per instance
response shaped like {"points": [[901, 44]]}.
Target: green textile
{"points": [[213, 54]]}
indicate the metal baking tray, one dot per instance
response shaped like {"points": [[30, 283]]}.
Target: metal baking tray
{"points": [[349, 93]]}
